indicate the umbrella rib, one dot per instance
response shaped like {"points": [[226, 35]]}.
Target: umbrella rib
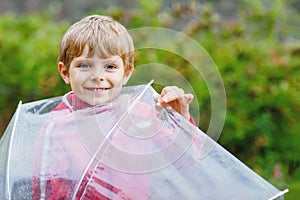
{"points": [[279, 194], [10, 146], [109, 135]]}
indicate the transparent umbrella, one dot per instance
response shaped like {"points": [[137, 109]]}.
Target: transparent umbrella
{"points": [[127, 149]]}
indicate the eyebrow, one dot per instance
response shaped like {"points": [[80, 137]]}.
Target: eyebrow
{"points": [[105, 60], [80, 60]]}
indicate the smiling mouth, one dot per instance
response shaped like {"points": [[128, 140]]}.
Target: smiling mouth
{"points": [[97, 89]]}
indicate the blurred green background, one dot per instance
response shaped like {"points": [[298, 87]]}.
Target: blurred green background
{"points": [[255, 45]]}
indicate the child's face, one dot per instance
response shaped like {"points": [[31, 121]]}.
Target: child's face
{"points": [[95, 80]]}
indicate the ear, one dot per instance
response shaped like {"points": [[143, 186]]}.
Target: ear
{"points": [[127, 75], [63, 72]]}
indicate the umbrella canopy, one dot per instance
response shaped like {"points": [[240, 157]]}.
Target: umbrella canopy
{"points": [[127, 149]]}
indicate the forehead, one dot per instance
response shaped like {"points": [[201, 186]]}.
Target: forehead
{"points": [[94, 56]]}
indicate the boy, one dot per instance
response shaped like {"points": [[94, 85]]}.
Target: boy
{"points": [[96, 59]]}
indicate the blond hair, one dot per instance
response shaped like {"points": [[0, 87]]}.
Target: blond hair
{"points": [[102, 35]]}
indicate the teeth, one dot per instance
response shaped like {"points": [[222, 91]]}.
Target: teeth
{"points": [[99, 89]]}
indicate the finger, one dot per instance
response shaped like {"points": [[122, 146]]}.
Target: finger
{"points": [[168, 89], [171, 93], [188, 98], [169, 97], [165, 90]]}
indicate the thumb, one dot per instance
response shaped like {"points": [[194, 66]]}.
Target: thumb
{"points": [[156, 96]]}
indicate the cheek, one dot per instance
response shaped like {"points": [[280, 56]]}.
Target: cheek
{"points": [[78, 78], [120, 82], [116, 79]]}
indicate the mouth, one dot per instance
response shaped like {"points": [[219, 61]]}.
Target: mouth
{"points": [[97, 89]]}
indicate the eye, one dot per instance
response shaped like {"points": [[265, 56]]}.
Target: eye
{"points": [[110, 67], [84, 66]]}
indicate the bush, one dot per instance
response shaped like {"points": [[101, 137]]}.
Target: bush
{"points": [[29, 48]]}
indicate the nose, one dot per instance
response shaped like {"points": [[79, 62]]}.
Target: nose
{"points": [[98, 74]]}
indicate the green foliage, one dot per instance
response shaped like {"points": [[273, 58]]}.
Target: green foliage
{"points": [[260, 71], [29, 47]]}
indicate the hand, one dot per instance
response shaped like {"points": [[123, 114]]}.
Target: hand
{"points": [[176, 98]]}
